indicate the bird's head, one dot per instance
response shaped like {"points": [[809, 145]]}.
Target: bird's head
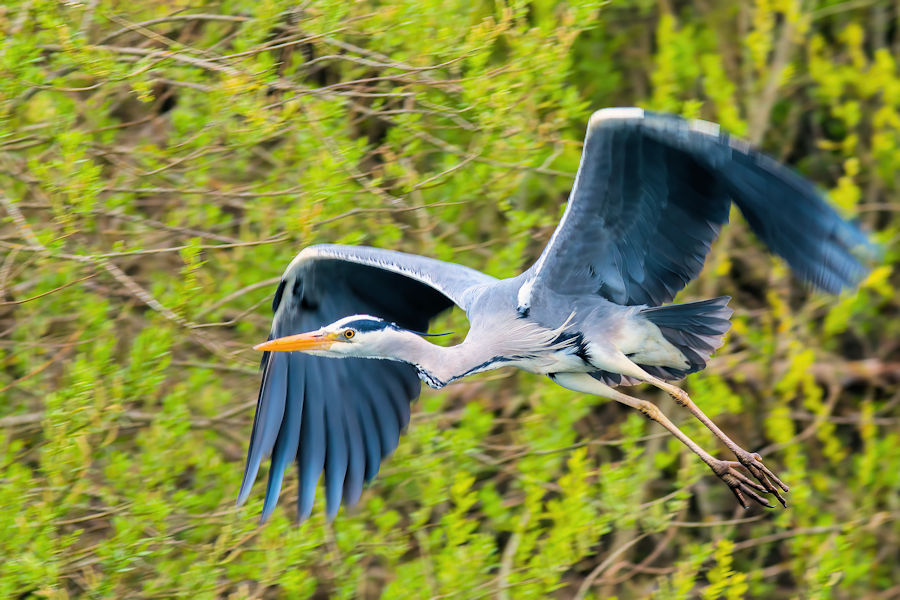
{"points": [[362, 336]]}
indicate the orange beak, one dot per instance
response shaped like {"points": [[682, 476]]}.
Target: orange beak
{"points": [[302, 342]]}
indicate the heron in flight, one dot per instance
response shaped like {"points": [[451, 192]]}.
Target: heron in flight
{"points": [[650, 195]]}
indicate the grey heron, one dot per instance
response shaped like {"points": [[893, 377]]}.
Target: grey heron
{"points": [[346, 349]]}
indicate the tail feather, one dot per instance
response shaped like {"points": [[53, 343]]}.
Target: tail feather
{"points": [[695, 328]]}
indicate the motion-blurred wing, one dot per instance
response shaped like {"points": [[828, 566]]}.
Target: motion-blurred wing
{"points": [[650, 196], [343, 416]]}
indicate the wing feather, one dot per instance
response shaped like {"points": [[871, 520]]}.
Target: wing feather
{"points": [[285, 451], [270, 411], [311, 456], [356, 466], [650, 196], [370, 430], [336, 458]]}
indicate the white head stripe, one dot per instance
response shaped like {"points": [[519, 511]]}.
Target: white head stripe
{"points": [[351, 318]]}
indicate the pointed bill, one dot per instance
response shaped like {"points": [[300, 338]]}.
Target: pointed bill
{"points": [[303, 342]]}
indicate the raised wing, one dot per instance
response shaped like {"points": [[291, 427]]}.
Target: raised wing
{"points": [[650, 196], [343, 416]]}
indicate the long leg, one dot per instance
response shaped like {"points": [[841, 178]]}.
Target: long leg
{"points": [[750, 460], [740, 484]]}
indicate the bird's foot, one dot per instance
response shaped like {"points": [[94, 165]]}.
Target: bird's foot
{"points": [[739, 484], [754, 465]]}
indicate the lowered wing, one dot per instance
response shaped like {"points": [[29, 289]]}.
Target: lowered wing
{"points": [[343, 416]]}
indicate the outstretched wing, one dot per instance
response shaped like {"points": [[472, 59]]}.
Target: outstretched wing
{"points": [[343, 416], [650, 196]]}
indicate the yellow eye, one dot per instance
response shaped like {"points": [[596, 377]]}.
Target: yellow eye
{"points": [[349, 333]]}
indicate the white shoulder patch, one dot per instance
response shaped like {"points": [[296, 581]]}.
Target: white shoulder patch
{"points": [[620, 112], [305, 254], [523, 298]]}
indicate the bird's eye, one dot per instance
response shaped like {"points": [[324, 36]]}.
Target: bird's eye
{"points": [[349, 333]]}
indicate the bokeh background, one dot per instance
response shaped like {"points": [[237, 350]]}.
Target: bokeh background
{"points": [[162, 161]]}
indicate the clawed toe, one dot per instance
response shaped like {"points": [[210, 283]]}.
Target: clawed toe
{"points": [[754, 465], [739, 484]]}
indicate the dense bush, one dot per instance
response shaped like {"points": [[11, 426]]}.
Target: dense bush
{"points": [[161, 162]]}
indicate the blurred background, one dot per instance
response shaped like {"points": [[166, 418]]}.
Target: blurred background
{"points": [[162, 161]]}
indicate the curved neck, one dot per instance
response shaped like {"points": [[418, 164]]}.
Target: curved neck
{"points": [[439, 365]]}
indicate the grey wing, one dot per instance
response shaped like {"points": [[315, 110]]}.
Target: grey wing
{"points": [[343, 416], [652, 192]]}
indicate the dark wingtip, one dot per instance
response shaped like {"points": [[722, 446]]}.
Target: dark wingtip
{"points": [[848, 261], [303, 513], [266, 422], [270, 502], [250, 472]]}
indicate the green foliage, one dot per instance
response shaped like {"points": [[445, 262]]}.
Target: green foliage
{"points": [[161, 162]]}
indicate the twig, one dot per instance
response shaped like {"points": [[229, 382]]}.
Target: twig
{"points": [[19, 219], [203, 192], [56, 289], [784, 535], [87, 19], [216, 367], [194, 17], [233, 320], [762, 108], [717, 523], [380, 209], [70, 342], [159, 225], [509, 555], [275, 240], [237, 294], [589, 580]]}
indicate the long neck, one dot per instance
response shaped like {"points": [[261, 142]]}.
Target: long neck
{"points": [[439, 365]]}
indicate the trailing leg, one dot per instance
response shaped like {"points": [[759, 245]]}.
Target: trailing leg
{"points": [[750, 460], [741, 485]]}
